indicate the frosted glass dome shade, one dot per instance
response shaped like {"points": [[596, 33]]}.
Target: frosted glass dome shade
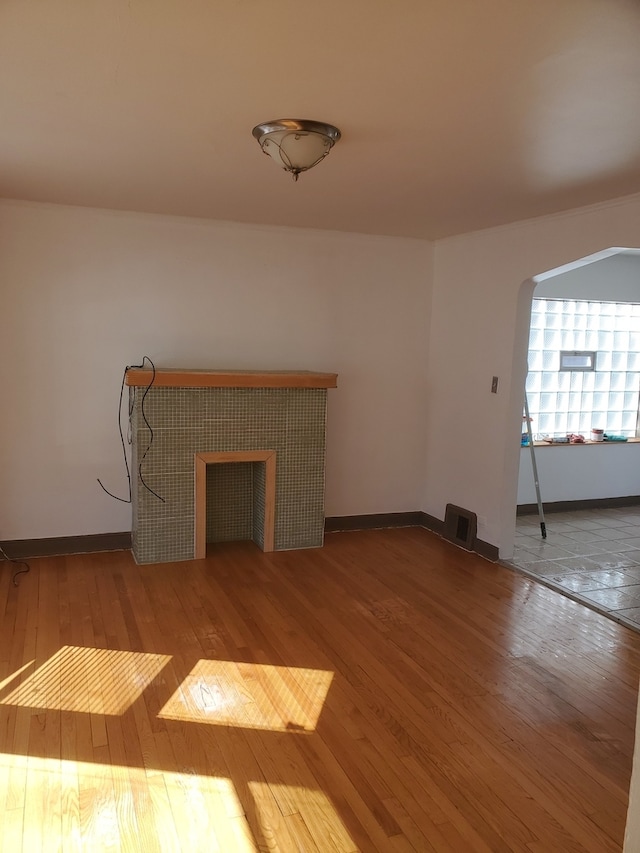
{"points": [[296, 144]]}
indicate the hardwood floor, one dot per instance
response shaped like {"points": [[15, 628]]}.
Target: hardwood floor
{"points": [[388, 692]]}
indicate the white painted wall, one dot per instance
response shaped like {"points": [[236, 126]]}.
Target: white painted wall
{"points": [[632, 833], [85, 292], [615, 279], [479, 328], [580, 473]]}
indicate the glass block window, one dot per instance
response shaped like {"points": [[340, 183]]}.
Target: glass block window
{"points": [[565, 401]]}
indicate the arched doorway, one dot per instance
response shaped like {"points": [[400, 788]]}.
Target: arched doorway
{"points": [[591, 494]]}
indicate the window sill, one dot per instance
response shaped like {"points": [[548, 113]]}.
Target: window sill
{"points": [[580, 443]]}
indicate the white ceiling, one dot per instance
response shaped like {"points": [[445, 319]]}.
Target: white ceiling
{"points": [[456, 114]]}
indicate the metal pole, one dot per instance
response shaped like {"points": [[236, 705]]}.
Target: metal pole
{"points": [[543, 526]]}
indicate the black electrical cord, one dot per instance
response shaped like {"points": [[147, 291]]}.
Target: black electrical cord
{"points": [[148, 425], [122, 440], [27, 567]]}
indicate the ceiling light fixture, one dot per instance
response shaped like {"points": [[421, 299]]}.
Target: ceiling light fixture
{"points": [[296, 144]]}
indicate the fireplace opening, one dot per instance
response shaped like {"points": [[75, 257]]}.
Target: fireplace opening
{"points": [[234, 498], [229, 502]]}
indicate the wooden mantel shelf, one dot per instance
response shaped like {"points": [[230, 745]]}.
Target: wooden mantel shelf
{"points": [[167, 377]]}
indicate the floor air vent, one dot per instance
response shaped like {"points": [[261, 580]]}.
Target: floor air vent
{"points": [[460, 526]]}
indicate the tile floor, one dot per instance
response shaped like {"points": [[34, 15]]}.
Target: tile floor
{"points": [[593, 556]]}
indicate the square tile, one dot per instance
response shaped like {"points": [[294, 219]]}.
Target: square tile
{"points": [[520, 556], [577, 582], [631, 614], [619, 545], [546, 551], [528, 529], [634, 541], [612, 562], [586, 536], [611, 578], [560, 540], [631, 589], [634, 555], [614, 533], [559, 526], [616, 521], [631, 575], [578, 564], [627, 531], [546, 568], [585, 549], [587, 524], [610, 599]]}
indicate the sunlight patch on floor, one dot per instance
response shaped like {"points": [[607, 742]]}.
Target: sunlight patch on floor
{"points": [[86, 680], [311, 806], [47, 804], [253, 696]]}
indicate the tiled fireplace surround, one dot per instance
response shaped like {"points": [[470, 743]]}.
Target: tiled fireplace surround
{"points": [[200, 420]]}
